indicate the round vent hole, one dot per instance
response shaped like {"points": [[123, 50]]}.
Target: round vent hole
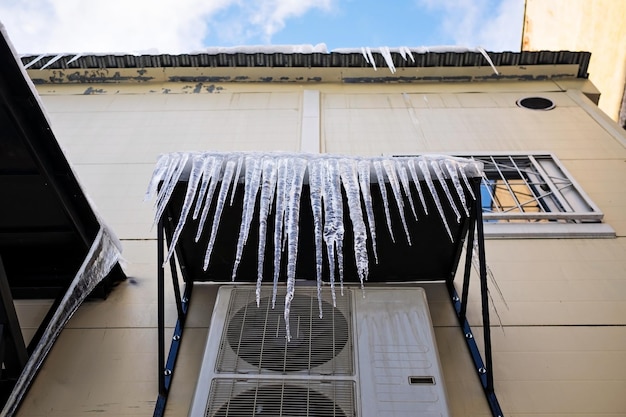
{"points": [[536, 103]]}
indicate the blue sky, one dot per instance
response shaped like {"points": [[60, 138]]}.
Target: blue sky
{"points": [[177, 26]]}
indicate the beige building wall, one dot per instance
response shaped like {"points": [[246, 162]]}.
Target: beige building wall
{"points": [[596, 26], [559, 335]]}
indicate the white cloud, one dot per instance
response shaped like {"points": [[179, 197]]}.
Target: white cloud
{"points": [[169, 26], [494, 25]]}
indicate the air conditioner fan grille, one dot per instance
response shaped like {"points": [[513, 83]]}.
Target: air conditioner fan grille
{"points": [[258, 397], [254, 339]]}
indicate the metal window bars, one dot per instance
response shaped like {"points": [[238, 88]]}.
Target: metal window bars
{"points": [[532, 188]]}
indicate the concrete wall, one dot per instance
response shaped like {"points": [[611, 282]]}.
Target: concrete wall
{"points": [[559, 334]]}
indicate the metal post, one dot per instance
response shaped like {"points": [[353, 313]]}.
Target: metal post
{"points": [[484, 295], [161, 307], [469, 253]]}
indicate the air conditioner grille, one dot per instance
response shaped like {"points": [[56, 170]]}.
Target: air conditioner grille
{"points": [[254, 339], [267, 397]]}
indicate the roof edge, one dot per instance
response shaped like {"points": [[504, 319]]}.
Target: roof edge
{"points": [[370, 59]]}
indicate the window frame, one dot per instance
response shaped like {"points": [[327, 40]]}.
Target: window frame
{"points": [[577, 217]]}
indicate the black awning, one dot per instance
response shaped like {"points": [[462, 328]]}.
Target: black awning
{"points": [[47, 224], [433, 254]]}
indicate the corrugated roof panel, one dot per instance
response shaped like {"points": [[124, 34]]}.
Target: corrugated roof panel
{"points": [[350, 59]]}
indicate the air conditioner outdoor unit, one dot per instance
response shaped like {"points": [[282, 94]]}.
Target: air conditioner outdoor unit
{"points": [[373, 354]]}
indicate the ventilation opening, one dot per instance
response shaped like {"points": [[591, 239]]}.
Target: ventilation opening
{"points": [[536, 103], [420, 380], [254, 338], [234, 398]]}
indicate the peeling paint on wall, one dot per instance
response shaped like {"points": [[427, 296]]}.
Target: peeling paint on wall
{"points": [[91, 90], [199, 79]]}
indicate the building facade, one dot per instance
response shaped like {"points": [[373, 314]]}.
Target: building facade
{"points": [[594, 26], [558, 294]]}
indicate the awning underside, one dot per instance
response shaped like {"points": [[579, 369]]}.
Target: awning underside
{"points": [[426, 200]]}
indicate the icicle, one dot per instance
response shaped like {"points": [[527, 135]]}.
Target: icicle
{"points": [[467, 183], [192, 188], [267, 192], [406, 186], [364, 181], [333, 222], [206, 178], [390, 169], [236, 179], [316, 175], [386, 53], [492, 278], [446, 189], [280, 177], [488, 58], [296, 169], [433, 192], [213, 175], [452, 170], [408, 53], [364, 52], [251, 188], [167, 188], [221, 200], [411, 164], [157, 176], [281, 196], [370, 57], [402, 51], [350, 179], [383, 192]]}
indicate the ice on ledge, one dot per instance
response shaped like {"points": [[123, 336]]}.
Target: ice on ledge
{"points": [[279, 178]]}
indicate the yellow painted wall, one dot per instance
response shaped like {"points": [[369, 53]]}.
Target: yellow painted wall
{"points": [[596, 26], [561, 347]]}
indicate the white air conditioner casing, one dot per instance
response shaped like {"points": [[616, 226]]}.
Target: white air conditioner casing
{"points": [[374, 355]]}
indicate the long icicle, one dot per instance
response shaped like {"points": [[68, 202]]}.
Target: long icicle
{"points": [[390, 169], [281, 196], [221, 200], [251, 189], [207, 164], [406, 186], [333, 220], [316, 174], [451, 167], [267, 191], [240, 162], [433, 192], [378, 169], [446, 189], [364, 181], [416, 180], [192, 188], [292, 226], [168, 186], [350, 179], [212, 175]]}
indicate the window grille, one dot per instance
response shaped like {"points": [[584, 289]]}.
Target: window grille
{"points": [[532, 188], [533, 196]]}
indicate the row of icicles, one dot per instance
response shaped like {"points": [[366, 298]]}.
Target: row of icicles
{"points": [[279, 178]]}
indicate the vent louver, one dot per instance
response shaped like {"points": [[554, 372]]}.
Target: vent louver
{"points": [[230, 397], [253, 339]]}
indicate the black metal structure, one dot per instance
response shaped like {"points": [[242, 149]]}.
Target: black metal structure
{"points": [[433, 256], [47, 225]]}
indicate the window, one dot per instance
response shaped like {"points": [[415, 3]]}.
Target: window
{"points": [[534, 196]]}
